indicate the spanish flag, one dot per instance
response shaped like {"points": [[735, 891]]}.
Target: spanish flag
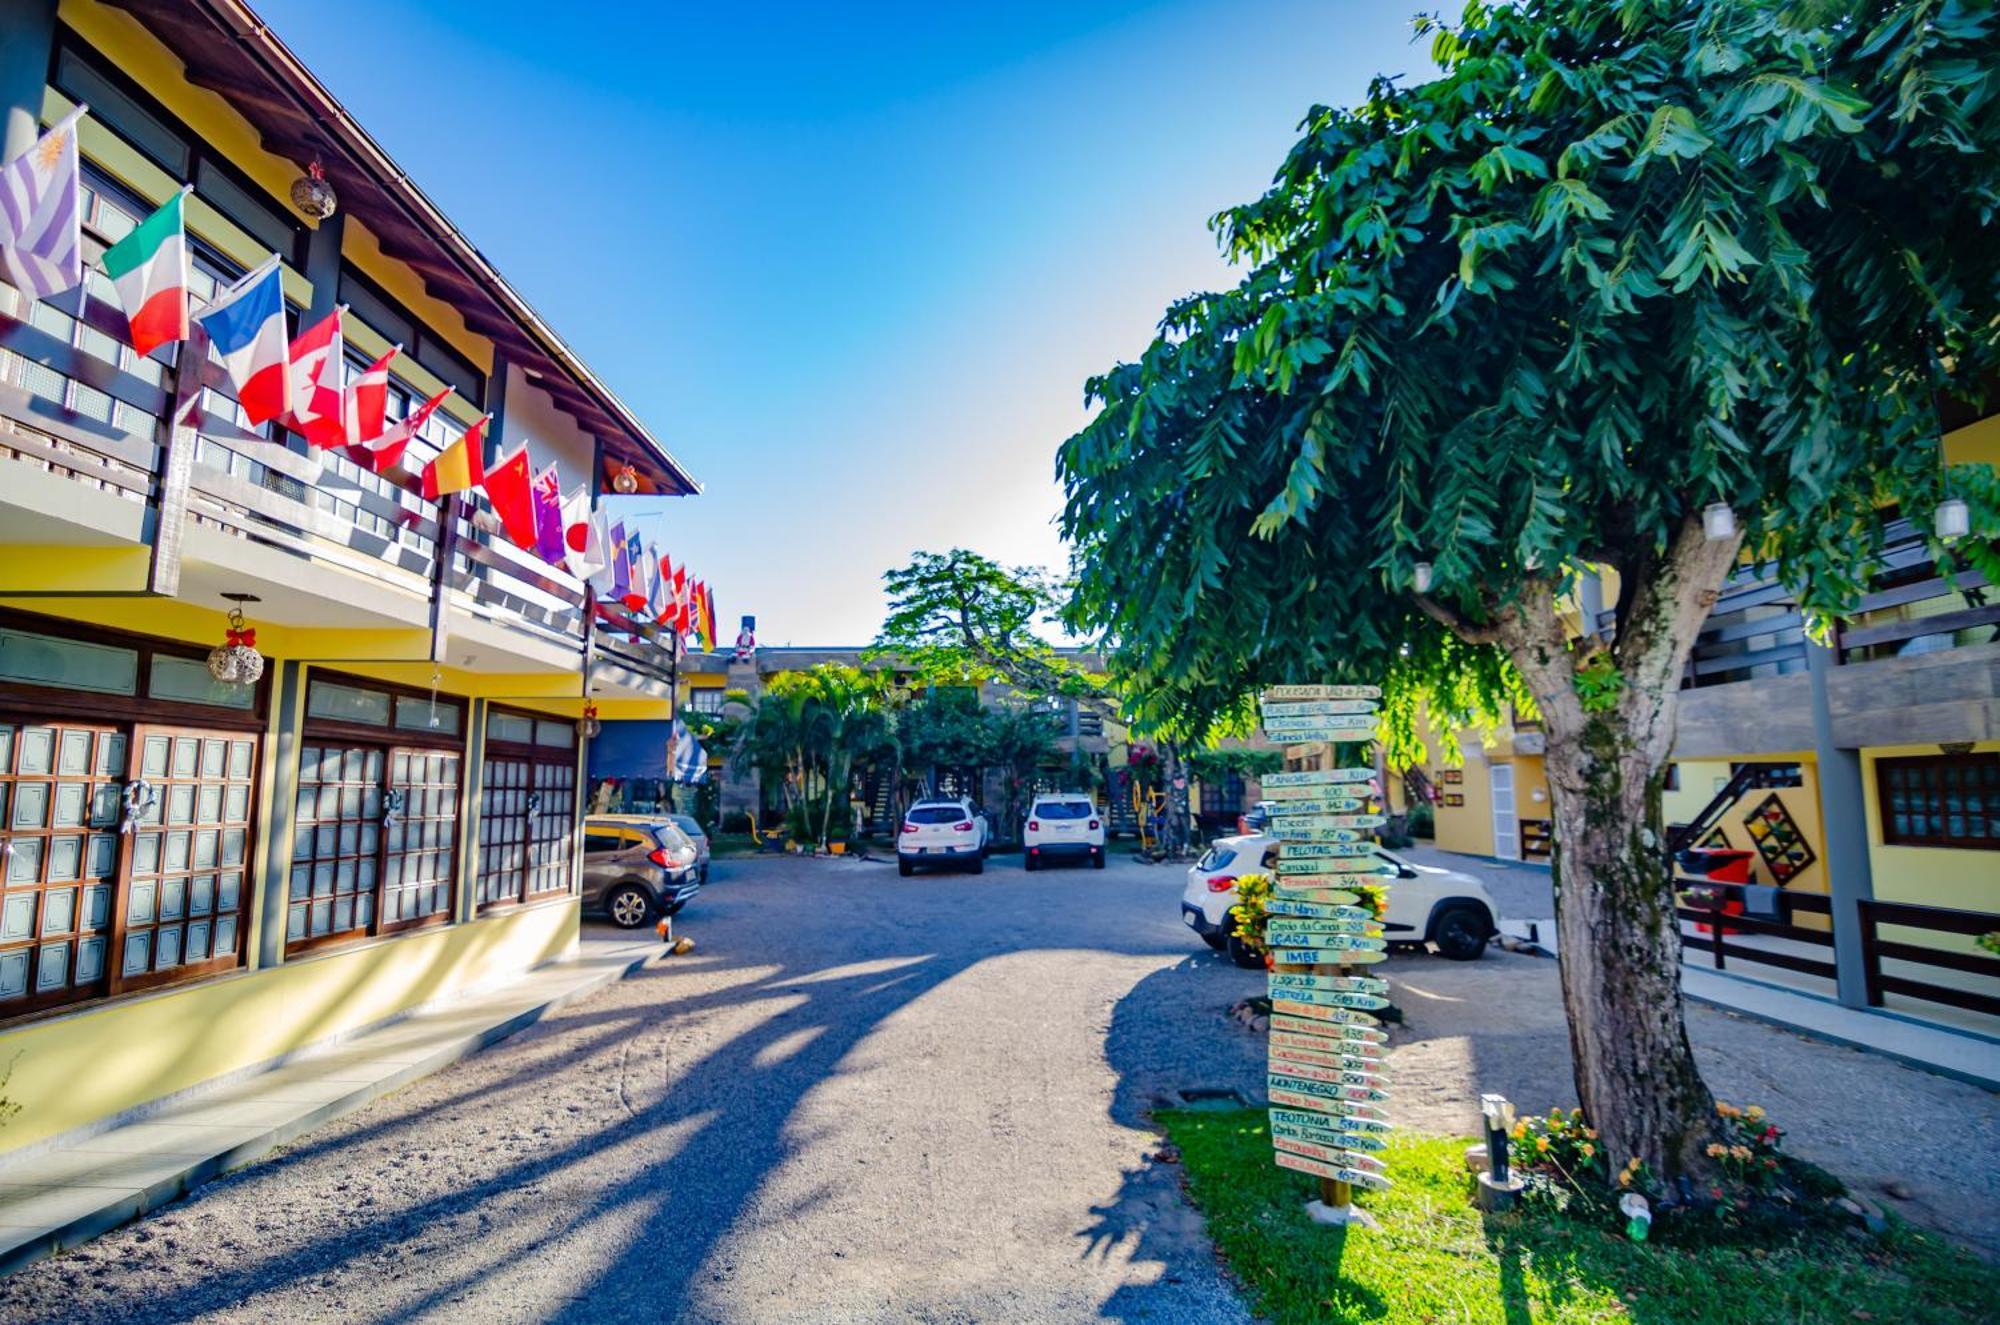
{"points": [[460, 466]]}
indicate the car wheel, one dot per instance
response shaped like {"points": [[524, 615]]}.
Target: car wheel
{"points": [[1243, 954], [904, 868], [1029, 863], [1097, 859], [978, 865], [1460, 933], [628, 906], [1214, 940]]}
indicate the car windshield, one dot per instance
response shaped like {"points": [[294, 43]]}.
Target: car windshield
{"points": [[688, 824], [1062, 809], [1215, 858], [936, 814], [671, 837]]}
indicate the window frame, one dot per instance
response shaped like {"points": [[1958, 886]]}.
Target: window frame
{"points": [[535, 755], [1887, 765]]}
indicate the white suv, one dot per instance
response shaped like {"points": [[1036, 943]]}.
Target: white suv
{"points": [[1063, 827], [1426, 904], [942, 832]]}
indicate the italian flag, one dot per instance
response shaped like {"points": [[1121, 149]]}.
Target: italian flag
{"points": [[149, 267]]}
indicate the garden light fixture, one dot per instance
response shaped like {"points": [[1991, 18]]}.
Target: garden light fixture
{"points": [[1497, 1187], [1422, 578], [1718, 521]]}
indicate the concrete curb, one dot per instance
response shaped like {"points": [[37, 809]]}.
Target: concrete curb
{"points": [[99, 1209]]}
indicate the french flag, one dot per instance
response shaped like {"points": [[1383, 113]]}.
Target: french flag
{"points": [[246, 325]]}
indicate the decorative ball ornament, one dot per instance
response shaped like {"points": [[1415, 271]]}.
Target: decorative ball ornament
{"points": [[312, 195], [626, 481], [1718, 521], [1422, 578], [1953, 519], [236, 661], [588, 725]]}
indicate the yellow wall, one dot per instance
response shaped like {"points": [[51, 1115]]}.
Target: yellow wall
{"points": [[171, 1040], [1700, 779], [1468, 827], [1930, 876]]}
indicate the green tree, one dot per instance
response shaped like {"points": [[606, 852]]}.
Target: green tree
{"points": [[807, 733], [1619, 262]]}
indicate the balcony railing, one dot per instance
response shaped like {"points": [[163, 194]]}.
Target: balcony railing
{"points": [[1755, 629], [80, 415]]}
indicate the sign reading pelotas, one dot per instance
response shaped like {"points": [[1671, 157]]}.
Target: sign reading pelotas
{"points": [[1327, 1079]]}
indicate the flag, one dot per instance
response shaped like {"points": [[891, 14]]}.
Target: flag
{"points": [[41, 233], [664, 604], [683, 618], [364, 405], [704, 628], [461, 466], [638, 583], [690, 760], [318, 362], [549, 542], [150, 269], [384, 451], [583, 548], [618, 564], [508, 488], [660, 602], [246, 324]]}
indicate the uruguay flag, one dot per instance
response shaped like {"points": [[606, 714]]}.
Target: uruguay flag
{"points": [[690, 760], [246, 325]]}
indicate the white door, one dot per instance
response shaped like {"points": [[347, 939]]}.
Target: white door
{"points": [[1506, 828]]}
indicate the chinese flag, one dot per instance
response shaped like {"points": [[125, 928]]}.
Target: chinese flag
{"points": [[510, 488]]}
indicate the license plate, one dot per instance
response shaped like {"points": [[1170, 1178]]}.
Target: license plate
{"points": [[925, 851]]}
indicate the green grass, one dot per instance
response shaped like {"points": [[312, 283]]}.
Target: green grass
{"points": [[1437, 1259]]}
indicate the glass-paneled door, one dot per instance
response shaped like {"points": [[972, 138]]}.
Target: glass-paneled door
{"points": [[374, 842], [191, 803], [60, 788]]}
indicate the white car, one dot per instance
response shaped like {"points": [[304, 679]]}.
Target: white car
{"points": [[1063, 827], [942, 832], [1426, 904]]}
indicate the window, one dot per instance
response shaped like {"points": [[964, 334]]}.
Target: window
{"points": [[341, 703], [1062, 809], [71, 664], [706, 700], [1941, 801], [936, 814], [599, 842]]}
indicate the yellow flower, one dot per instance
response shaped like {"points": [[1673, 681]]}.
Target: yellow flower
{"points": [[1754, 1112], [1589, 1150], [1542, 1143], [1590, 1132], [1625, 1178], [1715, 1149]]}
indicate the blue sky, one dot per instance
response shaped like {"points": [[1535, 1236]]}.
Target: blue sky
{"points": [[851, 262]]}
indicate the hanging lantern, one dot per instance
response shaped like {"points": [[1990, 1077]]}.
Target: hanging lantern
{"points": [[588, 725], [1953, 519], [1718, 521], [312, 195], [626, 481], [1422, 579], [236, 661]]}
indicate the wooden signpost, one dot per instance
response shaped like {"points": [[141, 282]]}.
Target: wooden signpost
{"points": [[1326, 1074]]}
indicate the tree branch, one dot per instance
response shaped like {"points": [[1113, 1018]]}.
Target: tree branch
{"points": [[1457, 622]]}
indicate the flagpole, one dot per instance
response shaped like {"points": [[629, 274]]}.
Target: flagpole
{"points": [[674, 709]]}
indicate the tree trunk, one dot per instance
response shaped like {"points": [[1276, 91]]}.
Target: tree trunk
{"points": [[1618, 939]]}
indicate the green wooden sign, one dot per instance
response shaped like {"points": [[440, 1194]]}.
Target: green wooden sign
{"points": [[1326, 956], [1290, 1058], [1351, 837], [1277, 785], [1317, 734], [1279, 928], [1357, 1037], [1300, 809], [1316, 890], [1290, 981], [1277, 694], [1316, 1011], [1316, 850], [1285, 906], [1320, 1133], [1347, 1117], [1369, 1076], [1356, 1093], [1312, 722], [1309, 708]]}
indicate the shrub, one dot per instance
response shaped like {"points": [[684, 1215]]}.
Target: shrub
{"points": [[1422, 821], [736, 821], [802, 821]]}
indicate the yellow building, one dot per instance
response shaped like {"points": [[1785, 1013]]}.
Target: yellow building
{"points": [[202, 877]]}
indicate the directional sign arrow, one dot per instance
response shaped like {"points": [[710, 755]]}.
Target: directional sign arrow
{"points": [[1286, 906], [1290, 981], [1275, 694], [1309, 722], [1353, 1177], [1329, 998], [1337, 957], [1358, 1040], [1326, 1090], [1312, 890], [1325, 943], [1322, 1134], [1329, 1154], [1302, 926], [1322, 734], [1347, 1117], [1305, 708], [1358, 1077], [1322, 805], [1314, 782], [1311, 1019], [1287, 1058]]}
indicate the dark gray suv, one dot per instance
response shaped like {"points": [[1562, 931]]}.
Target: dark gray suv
{"points": [[637, 867]]}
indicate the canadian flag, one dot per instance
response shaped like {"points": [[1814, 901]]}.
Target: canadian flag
{"points": [[387, 446], [317, 365]]}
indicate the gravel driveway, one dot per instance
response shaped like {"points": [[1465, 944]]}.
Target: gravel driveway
{"points": [[861, 1098], [872, 1099]]}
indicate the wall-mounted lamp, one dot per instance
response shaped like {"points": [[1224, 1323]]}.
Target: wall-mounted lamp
{"points": [[1422, 578], [1718, 521], [1953, 519]]}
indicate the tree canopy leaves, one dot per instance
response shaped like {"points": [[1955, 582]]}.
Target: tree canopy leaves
{"points": [[1618, 262]]}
